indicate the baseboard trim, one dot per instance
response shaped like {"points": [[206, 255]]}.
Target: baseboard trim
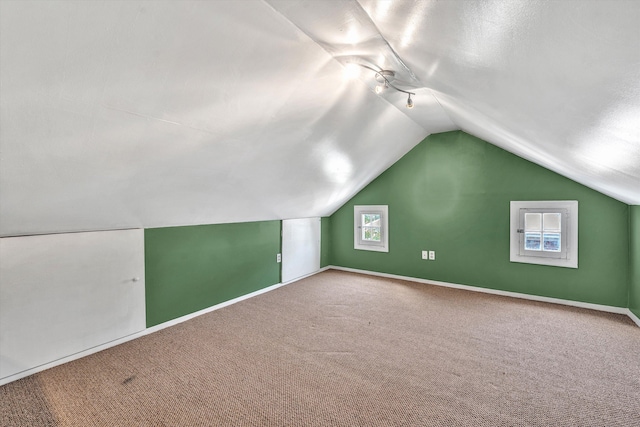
{"points": [[72, 357], [590, 306], [148, 331], [633, 317], [306, 275]]}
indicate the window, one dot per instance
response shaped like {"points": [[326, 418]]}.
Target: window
{"points": [[371, 228], [545, 232]]}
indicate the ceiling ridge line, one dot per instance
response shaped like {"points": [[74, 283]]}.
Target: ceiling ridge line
{"points": [[393, 51]]}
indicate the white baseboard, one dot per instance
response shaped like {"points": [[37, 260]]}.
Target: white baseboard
{"points": [[306, 275], [61, 361], [633, 317], [598, 307]]}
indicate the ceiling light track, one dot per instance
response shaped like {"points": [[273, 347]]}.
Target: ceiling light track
{"points": [[383, 78]]}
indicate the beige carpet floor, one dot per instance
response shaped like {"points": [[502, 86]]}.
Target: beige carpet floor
{"points": [[342, 349]]}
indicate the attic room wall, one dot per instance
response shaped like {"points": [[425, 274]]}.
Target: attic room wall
{"points": [[195, 267], [634, 282], [451, 194]]}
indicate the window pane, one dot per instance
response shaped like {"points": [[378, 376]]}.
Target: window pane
{"points": [[371, 219], [552, 222], [532, 241], [552, 242], [375, 234], [371, 234], [532, 221]]}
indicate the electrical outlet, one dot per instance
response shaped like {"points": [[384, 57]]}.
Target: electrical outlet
{"points": [[279, 258], [425, 254], [432, 255]]}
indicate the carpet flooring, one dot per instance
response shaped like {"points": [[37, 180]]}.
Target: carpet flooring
{"points": [[343, 349]]}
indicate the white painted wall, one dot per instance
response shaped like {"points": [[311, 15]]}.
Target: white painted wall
{"points": [[300, 247], [65, 293]]}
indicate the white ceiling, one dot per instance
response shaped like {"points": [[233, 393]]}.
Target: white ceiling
{"points": [[159, 113]]}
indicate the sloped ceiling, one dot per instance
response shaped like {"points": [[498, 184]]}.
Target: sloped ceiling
{"points": [[556, 82], [159, 113]]}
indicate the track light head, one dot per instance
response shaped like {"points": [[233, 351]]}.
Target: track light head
{"points": [[381, 87], [384, 76], [383, 79]]}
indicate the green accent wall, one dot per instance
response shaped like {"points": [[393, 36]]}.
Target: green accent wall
{"points": [[325, 241], [634, 282], [451, 194], [194, 267]]}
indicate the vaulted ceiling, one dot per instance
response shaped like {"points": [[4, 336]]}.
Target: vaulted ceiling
{"points": [[159, 113]]}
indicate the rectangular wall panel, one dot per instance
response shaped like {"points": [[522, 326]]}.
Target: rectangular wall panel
{"points": [[64, 293], [300, 247]]}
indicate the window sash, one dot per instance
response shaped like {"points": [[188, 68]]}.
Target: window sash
{"points": [[538, 239], [371, 232]]}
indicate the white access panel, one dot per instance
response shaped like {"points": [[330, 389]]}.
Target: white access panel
{"points": [[300, 247], [64, 293]]}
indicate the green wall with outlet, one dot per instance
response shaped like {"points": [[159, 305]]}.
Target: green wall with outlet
{"points": [[451, 194], [634, 276], [194, 267]]}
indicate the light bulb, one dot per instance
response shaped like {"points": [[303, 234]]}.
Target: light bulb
{"points": [[379, 89], [409, 102]]}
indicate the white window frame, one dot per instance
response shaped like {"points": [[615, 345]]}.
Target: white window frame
{"points": [[568, 257], [366, 245]]}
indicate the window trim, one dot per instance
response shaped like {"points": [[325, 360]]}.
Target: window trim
{"points": [[364, 245], [568, 258]]}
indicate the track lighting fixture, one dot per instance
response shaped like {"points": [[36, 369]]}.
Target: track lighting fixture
{"points": [[383, 78]]}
